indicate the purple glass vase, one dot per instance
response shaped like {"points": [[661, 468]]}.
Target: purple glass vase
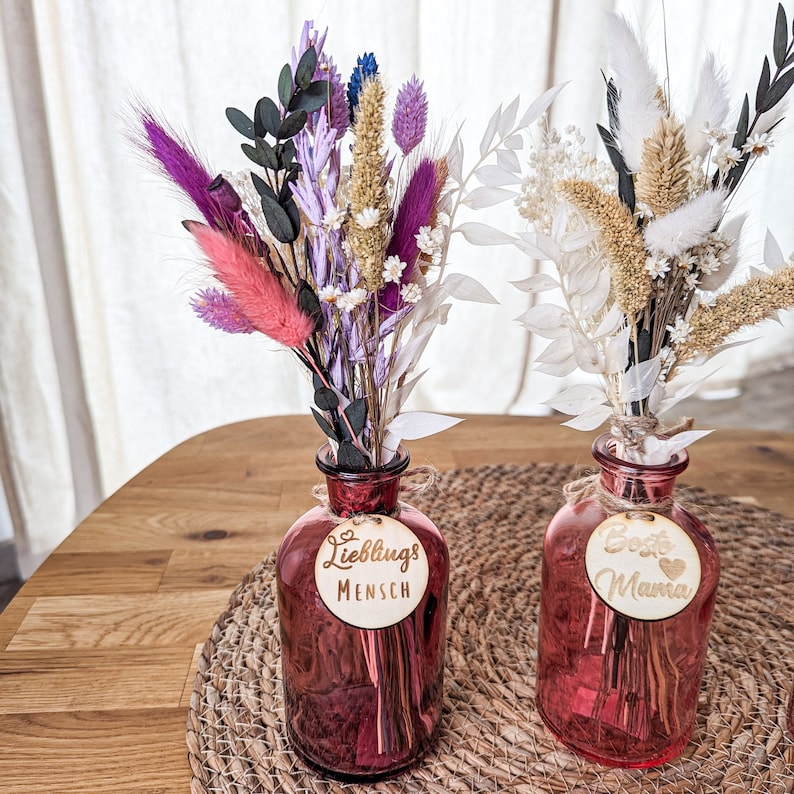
{"points": [[362, 597], [627, 597]]}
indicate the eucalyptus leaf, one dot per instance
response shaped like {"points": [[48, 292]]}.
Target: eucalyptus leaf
{"points": [[740, 136], [594, 299], [263, 188], [777, 91], [514, 142], [325, 399], [349, 458], [588, 356], [309, 304], [285, 86], [292, 124], [780, 40], [278, 221], [240, 122], [268, 154], [356, 414], [763, 84], [293, 213], [254, 154], [324, 425], [306, 68], [267, 117], [311, 98]]}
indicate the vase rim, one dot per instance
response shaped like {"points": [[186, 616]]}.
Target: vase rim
{"points": [[603, 450], [327, 465]]}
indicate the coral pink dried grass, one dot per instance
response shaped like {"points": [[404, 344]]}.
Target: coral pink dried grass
{"points": [[261, 298]]}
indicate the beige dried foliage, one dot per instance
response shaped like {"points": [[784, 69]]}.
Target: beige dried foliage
{"points": [[746, 304], [620, 240], [368, 184], [663, 181]]}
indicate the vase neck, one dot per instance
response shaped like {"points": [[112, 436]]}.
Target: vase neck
{"points": [[373, 491], [636, 482]]}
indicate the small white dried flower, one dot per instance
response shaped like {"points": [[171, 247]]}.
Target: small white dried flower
{"points": [[706, 299], [329, 294], [411, 293], [757, 144], [393, 269], [368, 218], [726, 157], [348, 301], [333, 219], [429, 240], [679, 332], [657, 266], [691, 280], [714, 135]]}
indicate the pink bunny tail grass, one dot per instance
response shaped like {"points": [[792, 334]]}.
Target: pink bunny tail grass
{"points": [[261, 298]]}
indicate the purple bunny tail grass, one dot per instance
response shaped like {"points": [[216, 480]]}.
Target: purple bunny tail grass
{"points": [[177, 160], [220, 310], [410, 116], [417, 209], [339, 113]]}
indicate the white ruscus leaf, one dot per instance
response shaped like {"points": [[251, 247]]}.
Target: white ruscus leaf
{"points": [[547, 320], [577, 399], [638, 380], [540, 282], [482, 234], [590, 419], [418, 424], [482, 197], [466, 288]]}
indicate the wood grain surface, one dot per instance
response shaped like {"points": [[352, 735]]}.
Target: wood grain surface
{"points": [[98, 649]]}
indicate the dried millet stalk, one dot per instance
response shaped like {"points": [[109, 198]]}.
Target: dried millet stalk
{"points": [[620, 240], [744, 305], [368, 184]]}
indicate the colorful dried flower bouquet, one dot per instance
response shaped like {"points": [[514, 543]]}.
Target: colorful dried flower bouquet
{"points": [[342, 262]]}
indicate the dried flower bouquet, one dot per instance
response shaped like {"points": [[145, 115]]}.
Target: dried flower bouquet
{"points": [[645, 256], [645, 251], [344, 262]]}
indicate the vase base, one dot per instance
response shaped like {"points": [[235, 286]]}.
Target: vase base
{"points": [[601, 754], [360, 775]]}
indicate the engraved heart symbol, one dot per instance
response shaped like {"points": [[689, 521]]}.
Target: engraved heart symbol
{"points": [[672, 569]]}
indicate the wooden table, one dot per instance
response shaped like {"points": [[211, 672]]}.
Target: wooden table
{"points": [[97, 650]]}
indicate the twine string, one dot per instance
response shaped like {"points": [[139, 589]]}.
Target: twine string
{"points": [[414, 482]]}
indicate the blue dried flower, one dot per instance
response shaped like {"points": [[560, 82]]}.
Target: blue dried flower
{"points": [[366, 66]]}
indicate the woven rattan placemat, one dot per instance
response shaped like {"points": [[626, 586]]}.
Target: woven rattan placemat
{"points": [[491, 739]]}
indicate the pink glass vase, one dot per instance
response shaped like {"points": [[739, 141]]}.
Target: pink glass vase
{"points": [[626, 603], [362, 597]]}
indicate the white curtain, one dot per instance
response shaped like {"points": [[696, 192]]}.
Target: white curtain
{"points": [[103, 367]]}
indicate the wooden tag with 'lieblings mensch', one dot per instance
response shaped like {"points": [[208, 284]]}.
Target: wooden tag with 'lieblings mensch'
{"points": [[371, 571]]}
